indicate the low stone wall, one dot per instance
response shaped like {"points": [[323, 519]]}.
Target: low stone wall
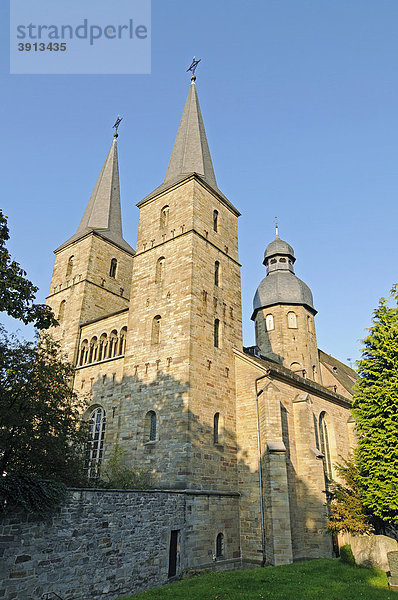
{"points": [[370, 550], [104, 543]]}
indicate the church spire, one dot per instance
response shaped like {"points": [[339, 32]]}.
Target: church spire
{"points": [[191, 152], [102, 214]]}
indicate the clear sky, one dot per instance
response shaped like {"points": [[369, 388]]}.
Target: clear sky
{"points": [[299, 99]]}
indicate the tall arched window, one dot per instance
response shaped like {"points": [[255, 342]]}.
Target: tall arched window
{"points": [[61, 311], [164, 216], [113, 344], [103, 347], [83, 352], [159, 269], [219, 545], [217, 273], [69, 267], [150, 426], [122, 341], [325, 446], [216, 333], [95, 442], [216, 425], [215, 220], [292, 320], [93, 352], [269, 322], [113, 268], [155, 339]]}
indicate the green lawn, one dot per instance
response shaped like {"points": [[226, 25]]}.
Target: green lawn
{"points": [[322, 579]]}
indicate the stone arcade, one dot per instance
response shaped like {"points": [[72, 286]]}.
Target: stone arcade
{"points": [[247, 437]]}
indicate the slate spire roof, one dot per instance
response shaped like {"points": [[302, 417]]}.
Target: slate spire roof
{"points": [[103, 215], [191, 152]]}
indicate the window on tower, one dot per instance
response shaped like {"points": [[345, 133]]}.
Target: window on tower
{"points": [[217, 273], [219, 545], [292, 320], [150, 426], [69, 267], [164, 216], [95, 443], [269, 322], [217, 336], [61, 311], [159, 269], [215, 220], [113, 268], [216, 424], [156, 329]]}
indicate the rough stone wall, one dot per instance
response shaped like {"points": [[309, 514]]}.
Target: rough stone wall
{"points": [[289, 345], [106, 544]]}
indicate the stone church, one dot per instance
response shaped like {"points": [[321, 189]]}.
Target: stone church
{"points": [[250, 435]]}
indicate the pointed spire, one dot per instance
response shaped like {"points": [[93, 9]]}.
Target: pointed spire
{"points": [[103, 214], [276, 229], [191, 151]]}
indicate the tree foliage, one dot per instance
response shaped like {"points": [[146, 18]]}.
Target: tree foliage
{"points": [[41, 434], [347, 512], [17, 293], [118, 475], [376, 413]]}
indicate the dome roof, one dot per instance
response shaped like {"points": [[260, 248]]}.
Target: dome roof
{"points": [[282, 287], [278, 246]]}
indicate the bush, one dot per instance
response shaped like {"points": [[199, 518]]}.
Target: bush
{"points": [[346, 555]]}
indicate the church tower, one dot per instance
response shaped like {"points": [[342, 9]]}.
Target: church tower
{"points": [[184, 320], [92, 271], [284, 314]]}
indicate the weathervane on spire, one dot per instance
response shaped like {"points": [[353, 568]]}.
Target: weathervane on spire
{"points": [[116, 125], [276, 227], [193, 67]]}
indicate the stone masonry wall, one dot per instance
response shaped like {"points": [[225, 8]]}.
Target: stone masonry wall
{"points": [[106, 544]]}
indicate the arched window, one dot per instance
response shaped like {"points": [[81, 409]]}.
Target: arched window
{"points": [[215, 220], [155, 339], [296, 367], [150, 426], [217, 333], [113, 344], [122, 341], [216, 428], [217, 273], [103, 347], [69, 267], [159, 269], [219, 545], [292, 320], [95, 443], [83, 352], [93, 353], [269, 322], [164, 216], [113, 268], [61, 311], [325, 446]]}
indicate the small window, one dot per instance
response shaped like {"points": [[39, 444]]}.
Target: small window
{"points": [[216, 433], [273, 261], [61, 311], [113, 268], [113, 340], [95, 443], [103, 347], [216, 333], [217, 273], [159, 269], [156, 329], [292, 320], [220, 545], [150, 426], [164, 216], [215, 220], [282, 260], [269, 322], [69, 268], [83, 352], [93, 350], [122, 340]]}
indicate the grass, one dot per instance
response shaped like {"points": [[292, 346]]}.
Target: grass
{"points": [[324, 579]]}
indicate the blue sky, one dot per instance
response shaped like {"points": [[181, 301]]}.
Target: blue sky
{"points": [[299, 99]]}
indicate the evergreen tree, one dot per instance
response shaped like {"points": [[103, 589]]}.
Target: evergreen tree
{"points": [[376, 413]]}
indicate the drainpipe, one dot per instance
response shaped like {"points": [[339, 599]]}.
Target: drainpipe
{"points": [[260, 469]]}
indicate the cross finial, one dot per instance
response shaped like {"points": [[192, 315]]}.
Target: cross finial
{"points": [[116, 126], [193, 67], [276, 228]]}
